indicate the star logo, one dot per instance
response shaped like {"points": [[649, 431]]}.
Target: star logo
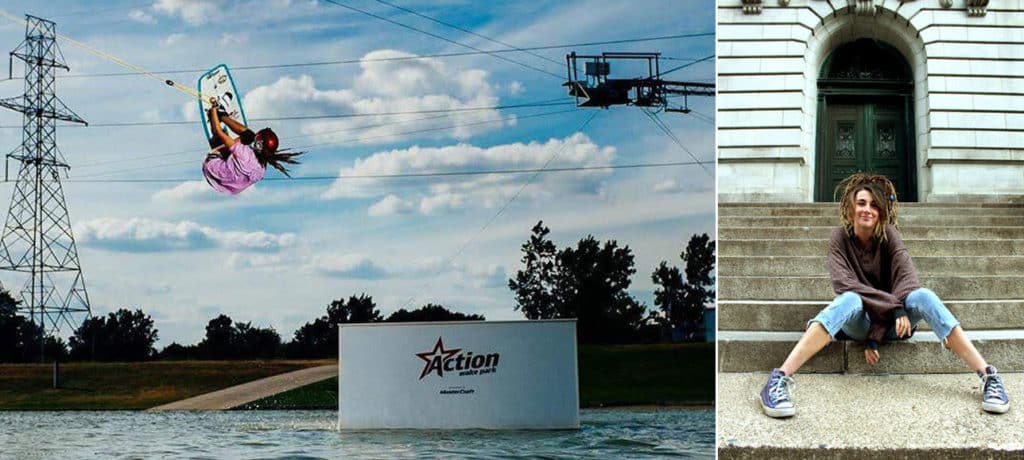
{"points": [[435, 359]]}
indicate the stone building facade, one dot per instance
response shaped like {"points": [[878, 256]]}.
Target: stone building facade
{"points": [[928, 92]]}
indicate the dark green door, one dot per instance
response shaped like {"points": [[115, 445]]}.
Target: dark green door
{"points": [[865, 118], [868, 137]]}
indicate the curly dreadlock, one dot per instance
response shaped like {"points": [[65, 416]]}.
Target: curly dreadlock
{"points": [[276, 158], [265, 144], [879, 186]]}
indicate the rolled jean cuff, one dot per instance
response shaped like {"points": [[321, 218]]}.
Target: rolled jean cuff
{"points": [[844, 308], [924, 304], [831, 329]]}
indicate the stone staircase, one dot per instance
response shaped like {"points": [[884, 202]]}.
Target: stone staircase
{"points": [[772, 278]]}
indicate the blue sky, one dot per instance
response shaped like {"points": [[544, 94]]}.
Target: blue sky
{"points": [[277, 254]]}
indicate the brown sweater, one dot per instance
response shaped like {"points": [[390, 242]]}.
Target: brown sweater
{"points": [[882, 274]]}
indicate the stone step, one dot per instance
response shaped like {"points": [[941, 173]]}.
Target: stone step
{"points": [[869, 416], [753, 315], [916, 232], [832, 210], [948, 287], [917, 247], [815, 265], [761, 221], [743, 351]]}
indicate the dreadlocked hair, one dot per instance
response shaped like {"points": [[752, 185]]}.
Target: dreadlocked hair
{"points": [[882, 190], [276, 158]]}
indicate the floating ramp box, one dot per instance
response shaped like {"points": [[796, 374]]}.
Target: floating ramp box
{"points": [[454, 375]]}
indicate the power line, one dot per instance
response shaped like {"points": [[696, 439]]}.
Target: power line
{"points": [[393, 58], [547, 103], [401, 58], [91, 12], [441, 128], [702, 117], [193, 151], [348, 141], [421, 175], [333, 2], [469, 32], [688, 64], [660, 124]]}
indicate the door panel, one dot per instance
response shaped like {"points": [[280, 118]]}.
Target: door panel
{"points": [[867, 137], [888, 151]]}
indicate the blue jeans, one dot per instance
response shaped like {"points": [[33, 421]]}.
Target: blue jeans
{"points": [[847, 313]]}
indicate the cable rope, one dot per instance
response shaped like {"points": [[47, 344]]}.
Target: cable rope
{"points": [[111, 58], [417, 175], [546, 103]]}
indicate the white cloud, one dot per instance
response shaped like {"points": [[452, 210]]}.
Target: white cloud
{"points": [[390, 205], [190, 111], [187, 191], [230, 39], [275, 262], [259, 240], [141, 16], [515, 88], [150, 115], [441, 202], [353, 266], [358, 266], [487, 190], [481, 277], [667, 186], [145, 235], [386, 87], [194, 12], [171, 39]]}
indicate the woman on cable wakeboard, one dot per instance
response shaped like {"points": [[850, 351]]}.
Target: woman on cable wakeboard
{"points": [[234, 164]]}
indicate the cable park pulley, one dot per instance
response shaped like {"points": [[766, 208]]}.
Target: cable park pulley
{"points": [[596, 89]]}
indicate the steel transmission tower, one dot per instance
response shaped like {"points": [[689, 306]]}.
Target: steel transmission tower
{"points": [[37, 238]]}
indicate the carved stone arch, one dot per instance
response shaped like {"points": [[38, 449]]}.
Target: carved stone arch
{"points": [[891, 36], [865, 118]]}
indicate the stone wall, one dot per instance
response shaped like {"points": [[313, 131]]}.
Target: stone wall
{"points": [[968, 66]]}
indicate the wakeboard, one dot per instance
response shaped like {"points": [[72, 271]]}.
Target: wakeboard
{"points": [[217, 83]]}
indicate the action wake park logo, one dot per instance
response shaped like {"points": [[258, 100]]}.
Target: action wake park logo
{"points": [[441, 361]]}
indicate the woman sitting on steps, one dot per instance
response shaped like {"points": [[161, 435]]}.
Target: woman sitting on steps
{"points": [[879, 297]]}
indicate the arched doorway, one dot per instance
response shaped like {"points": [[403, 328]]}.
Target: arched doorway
{"points": [[865, 118]]}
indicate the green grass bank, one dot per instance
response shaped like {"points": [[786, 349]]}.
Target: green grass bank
{"points": [[613, 375], [662, 374], [127, 386]]}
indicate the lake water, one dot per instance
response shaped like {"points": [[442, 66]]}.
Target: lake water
{"points": [[615, 433]]}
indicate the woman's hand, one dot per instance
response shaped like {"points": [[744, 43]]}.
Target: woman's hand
{"points": [[902, 327], [871, 356]]}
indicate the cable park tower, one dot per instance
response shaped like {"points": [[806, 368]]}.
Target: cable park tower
{"points": [[37, 239], [597, 90]]}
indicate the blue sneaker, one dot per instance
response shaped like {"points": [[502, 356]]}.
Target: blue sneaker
{"points": [[775, 400], [993, 397]]}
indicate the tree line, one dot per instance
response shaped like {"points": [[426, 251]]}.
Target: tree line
{"points": [[588, 282], [130, 335]]}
